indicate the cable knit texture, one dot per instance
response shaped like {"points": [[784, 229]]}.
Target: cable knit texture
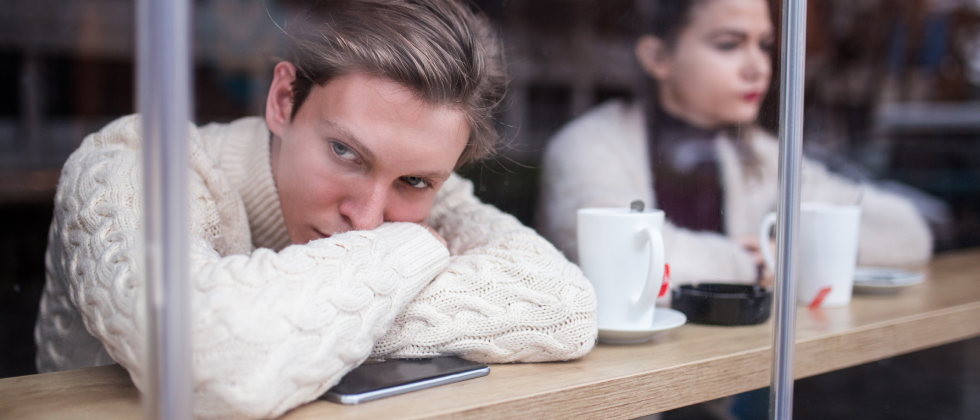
{"points": [[600, 160], [276, 325]]}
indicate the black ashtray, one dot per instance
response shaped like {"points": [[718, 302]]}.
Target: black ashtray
{"points": [[723, 304]]}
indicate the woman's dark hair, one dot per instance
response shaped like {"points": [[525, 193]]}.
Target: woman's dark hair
{"points": [[665, 19]]}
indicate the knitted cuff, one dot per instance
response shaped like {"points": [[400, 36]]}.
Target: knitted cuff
{"points": [[419, 253]]}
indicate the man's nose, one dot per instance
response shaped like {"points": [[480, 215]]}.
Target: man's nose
{"points": [[365, 207]]}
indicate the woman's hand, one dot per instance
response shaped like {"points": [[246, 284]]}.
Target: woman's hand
{"points": [[766, 277]]}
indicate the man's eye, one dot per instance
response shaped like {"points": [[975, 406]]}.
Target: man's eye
{"points": [[415, 181], [342, 151]]}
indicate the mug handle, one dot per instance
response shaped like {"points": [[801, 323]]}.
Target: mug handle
{"points": [[655, 276], [767, 254]]}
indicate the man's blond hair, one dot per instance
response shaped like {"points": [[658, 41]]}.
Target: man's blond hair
{"points": [[440, 49]]}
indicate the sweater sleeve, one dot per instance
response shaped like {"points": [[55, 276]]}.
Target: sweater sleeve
{"points": [[507, 295], [892, 231], [269, 330], [586, 165]]}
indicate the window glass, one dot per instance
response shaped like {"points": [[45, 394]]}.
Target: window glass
{"points": [[674, 103]]}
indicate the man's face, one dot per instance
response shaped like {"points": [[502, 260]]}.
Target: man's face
{"points": [[360, 151]]}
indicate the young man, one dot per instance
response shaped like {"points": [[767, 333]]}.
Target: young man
{"points": [[330, 231]]}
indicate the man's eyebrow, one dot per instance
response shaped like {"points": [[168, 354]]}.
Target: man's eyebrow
{"points": [[440, 175], [349, 137], [368, 154]]}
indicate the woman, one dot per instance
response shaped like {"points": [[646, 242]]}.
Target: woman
{"points": [[695, 151], [329, 231]]}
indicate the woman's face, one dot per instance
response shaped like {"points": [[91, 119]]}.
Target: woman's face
{"points": [[361, 150], [719, 68]]}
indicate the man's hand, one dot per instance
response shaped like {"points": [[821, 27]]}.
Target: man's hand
{"points": [[434, 233]]}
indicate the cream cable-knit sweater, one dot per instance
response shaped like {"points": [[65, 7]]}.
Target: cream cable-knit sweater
{"points": [[275, 326], [601, 160]]}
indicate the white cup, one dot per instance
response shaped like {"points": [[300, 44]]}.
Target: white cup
{"points": [[622, 255], [828, 246]]}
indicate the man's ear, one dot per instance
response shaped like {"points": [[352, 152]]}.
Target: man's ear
{"points": [[654, 57], [279, 103]]}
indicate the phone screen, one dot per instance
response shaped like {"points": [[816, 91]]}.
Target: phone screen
{"points": [[393, 377]]}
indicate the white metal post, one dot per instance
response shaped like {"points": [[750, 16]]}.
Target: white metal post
{"points": [[164, 86], [788, 206]]}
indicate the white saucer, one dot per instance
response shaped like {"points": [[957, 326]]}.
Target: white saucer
{"points": [[884, 280], [663, 319]]}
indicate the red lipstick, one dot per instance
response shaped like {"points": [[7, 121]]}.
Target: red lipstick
{"points": [[751, 97]]}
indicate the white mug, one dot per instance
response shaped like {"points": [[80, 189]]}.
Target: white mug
{"points": [[622, 255], [828, 246]]}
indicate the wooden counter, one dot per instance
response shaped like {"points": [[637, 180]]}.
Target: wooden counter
{"points": [[687, 365]]}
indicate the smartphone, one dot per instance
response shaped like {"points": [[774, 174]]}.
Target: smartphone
{"points": [[378, 380]]}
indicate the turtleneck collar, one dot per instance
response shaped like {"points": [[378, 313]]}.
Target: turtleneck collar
{"points": [[246, 160], [672, 130], [680, 144], [686, 178]]}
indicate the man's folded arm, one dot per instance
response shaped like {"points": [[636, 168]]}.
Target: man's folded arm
{"points": [[269, 330], [507, 295]]}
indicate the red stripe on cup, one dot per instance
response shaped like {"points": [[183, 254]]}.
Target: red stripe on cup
{"points": [[821, 295]]}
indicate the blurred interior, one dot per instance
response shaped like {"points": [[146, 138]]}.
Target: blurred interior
{"points": [[892, 93]]}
